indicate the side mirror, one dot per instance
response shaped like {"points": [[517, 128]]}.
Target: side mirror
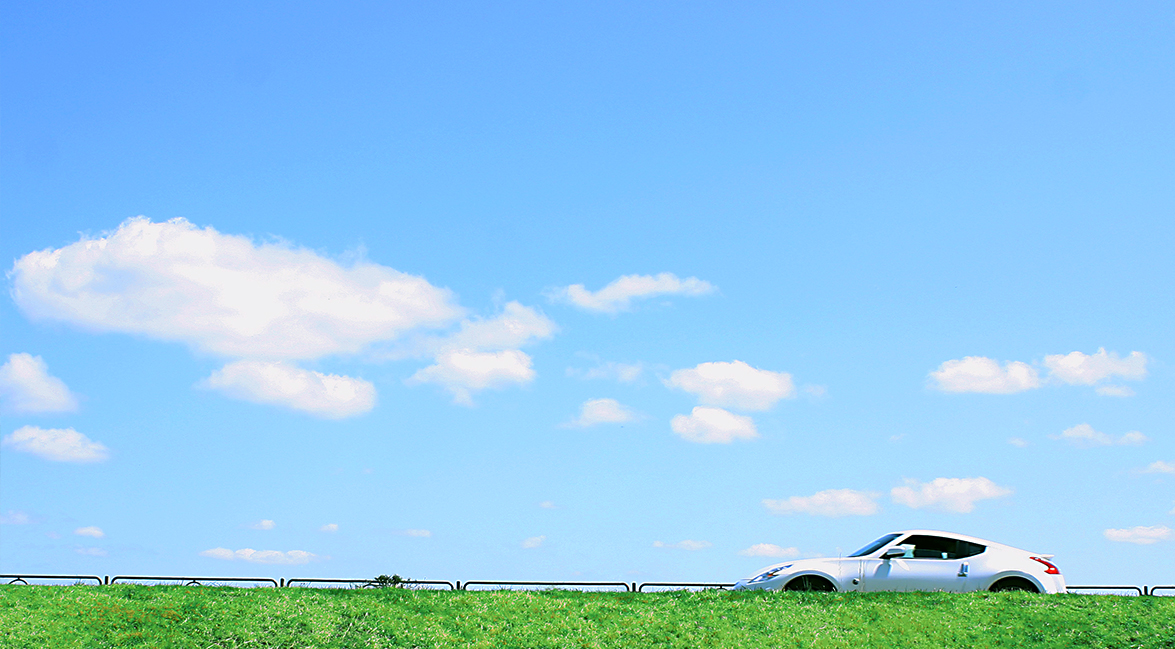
{"points": [[893, 553]]}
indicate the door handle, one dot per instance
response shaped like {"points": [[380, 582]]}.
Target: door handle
{"points": [[963, 569]]}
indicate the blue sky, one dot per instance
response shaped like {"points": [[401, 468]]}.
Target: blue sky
{"points": [[587, 291]]}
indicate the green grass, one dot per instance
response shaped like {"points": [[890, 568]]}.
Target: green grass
{"points": [[177, 616]]}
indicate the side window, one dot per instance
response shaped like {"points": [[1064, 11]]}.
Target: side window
{"points": [[932, 547], [937, 547], [967, 549]]}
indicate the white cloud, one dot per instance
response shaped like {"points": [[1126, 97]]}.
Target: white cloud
{"points": [[547, 504], [734, 385], [1018, 442], [224, 294], [423, 534], [1159, 467], [684, 545], [981, 374], [948, 494], [484, 354], [275, 557], [713, 426], [1140, 535], [514, 327], [463, 371], [263, 524], [601, 411], [268, 304], [533, 542], [14, 517], [92, 531], [27, 387], [831, 502], [281, 383], [91, 552], [1076, 368], [56, 444], [621, 372], [618, 295], [329, 527], [770, 550], [1084, 436]]}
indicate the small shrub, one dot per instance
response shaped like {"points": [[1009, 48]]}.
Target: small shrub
{"points": [[384, 581]]}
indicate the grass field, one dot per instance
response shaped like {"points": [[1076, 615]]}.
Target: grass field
{"points": [[176, 616]]}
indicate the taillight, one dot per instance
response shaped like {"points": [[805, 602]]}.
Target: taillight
{"points": [[1049, 569]]}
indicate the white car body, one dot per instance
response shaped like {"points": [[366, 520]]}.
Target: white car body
{"points": [[929, 560]]}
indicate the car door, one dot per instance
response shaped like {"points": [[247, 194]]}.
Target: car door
{"points": [[911, 574], [934, 574], [931, 563]]}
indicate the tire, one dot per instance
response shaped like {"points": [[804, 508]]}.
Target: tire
{"points": [[810, 583], [1014, 584]]}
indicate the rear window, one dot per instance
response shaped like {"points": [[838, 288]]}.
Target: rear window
{"points": [[874, 546]]}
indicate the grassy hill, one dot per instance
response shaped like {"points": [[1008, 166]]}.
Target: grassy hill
{"points": [[176, 616]]}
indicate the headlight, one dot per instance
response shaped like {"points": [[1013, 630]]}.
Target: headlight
{"points": [[769, 574]]}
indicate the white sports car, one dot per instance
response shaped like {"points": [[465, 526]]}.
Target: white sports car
{"points": [[917, 560]]}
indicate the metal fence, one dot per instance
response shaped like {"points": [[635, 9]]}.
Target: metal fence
{"points": [[23, 579], [368, 583], [320, 582], [1110, 590], [195, 581], [536, 585], [676, 585]]}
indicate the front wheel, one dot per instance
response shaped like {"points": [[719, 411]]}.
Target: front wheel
{"points": [[810, 583], [1013, 584]]}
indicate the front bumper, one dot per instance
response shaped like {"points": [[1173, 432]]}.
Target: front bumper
{"points": [[774, 583]]}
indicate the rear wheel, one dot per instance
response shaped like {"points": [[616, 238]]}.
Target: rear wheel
{"points": [[810, 583], [1009, 584]]}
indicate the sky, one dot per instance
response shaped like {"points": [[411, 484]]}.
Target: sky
{"points": [[583, 291]]}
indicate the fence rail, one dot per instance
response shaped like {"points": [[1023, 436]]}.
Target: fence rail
{"points": [[551, 584], [371, 583], [629, 587], [1141, 590], [22, 579], [681, 585], [196, 581]]}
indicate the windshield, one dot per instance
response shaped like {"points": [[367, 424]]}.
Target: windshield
{"points": [[874, 546]]}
